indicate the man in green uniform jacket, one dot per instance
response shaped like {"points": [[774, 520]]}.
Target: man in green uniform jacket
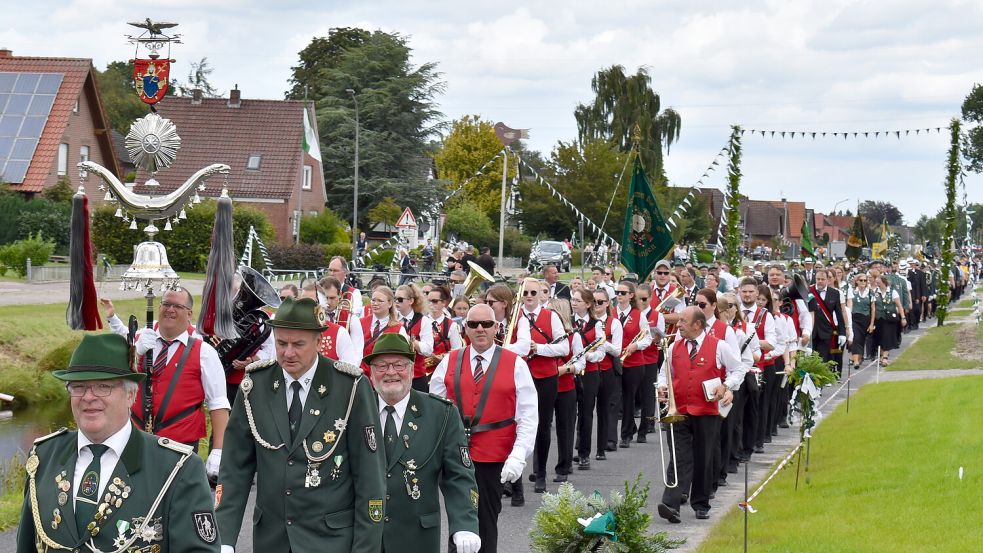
{"points": [[109, 486], [426, 448], [307, 428]]}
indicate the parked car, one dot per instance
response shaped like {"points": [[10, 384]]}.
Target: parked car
{"points": [[546, 252]]}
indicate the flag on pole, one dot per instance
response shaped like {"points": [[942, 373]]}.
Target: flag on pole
{"points": [[807, 248], [646, 239], [311, 147], [879, 249], [857, 240]]}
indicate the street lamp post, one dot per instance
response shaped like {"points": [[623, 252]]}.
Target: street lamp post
{"points": [[840, 202], [355, 194]]}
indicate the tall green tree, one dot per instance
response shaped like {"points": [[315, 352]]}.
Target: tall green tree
{"points": [[199, 77], [621, 101], [972, 140], [119, 97], [468, 147], [397, 117]]}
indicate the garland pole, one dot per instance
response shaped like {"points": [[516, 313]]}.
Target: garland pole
{"points": [[732, 197], [953, 170]]}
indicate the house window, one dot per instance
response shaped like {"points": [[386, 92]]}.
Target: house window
{"points": [[313, 213], [84, 153], [62, 159], [254, 161], [75, 108], [308, 171]]}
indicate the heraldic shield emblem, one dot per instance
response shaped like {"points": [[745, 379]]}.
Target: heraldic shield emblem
{"points": [[151, 78]]}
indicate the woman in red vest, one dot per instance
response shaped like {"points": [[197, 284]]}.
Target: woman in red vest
{"points": [[382, 318], [565, 406], [610, 385], [439, 334], [634, 340], [410, 306], [653, 357]]}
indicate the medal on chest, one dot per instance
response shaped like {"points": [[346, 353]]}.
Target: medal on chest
{"points": [[313, 477], [412, 482]]}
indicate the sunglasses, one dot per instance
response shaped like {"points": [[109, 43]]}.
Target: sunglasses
{"points": [[702, 304], [642, 298], [600, 302], [663, 273], [622, 292], [401, 300], [527, 293], [483, 324]]}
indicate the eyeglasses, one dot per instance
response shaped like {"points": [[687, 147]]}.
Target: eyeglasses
{"points": [[401, 300], [169, 305], [622, 292], [99, 389], [861, 280], [483, 324], [398, 366], [642, 298], [702, 304], [663, 273], [436, 301], [527, 293]]}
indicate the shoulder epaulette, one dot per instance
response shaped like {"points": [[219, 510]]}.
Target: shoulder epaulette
{"points": [[259, 365], [441, 398], [183, 449], [58, 432], [347, 368]]}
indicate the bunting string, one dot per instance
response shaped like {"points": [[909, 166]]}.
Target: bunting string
{"points": [[440, 205], [247, 252], [840, 134], [694, 190]]}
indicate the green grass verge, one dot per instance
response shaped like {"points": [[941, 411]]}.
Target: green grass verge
{"points": [[934, 351], [968, 302], [882, 478]]}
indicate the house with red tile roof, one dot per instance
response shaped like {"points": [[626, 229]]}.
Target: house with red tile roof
{"points": [[260, 140], [51, 117], [825, 224]]}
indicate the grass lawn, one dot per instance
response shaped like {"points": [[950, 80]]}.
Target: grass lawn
{"points": [[968, 302], [883, 478], [934, 350]]}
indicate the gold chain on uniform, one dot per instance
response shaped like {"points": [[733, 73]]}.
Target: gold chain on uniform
{"points": [[351, 402]]}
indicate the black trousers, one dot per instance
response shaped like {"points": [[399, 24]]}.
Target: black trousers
{"points": [[586, 400], [614, 407], [696, 440], [916, 315], [566, 412], [421, 384], [631, 379], [773, 394], [736, 424], [724, 452], [609, 386], [752, 414], [488, 477], [546, 395], [647, 392]]}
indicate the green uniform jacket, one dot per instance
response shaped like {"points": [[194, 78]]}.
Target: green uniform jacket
{"points": [[431, 451], [184, 520], [301, 506]]}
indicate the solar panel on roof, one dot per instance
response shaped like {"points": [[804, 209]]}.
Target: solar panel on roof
{"points": [[25, 103]]}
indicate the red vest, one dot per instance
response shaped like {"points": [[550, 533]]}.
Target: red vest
{"points": [[630, 329], [566, 382], [420, 362], [328, 345], [442, 338], [184, 420], [366, 321], [719, 331], [795, 320], [688, 376], [652, 353], [760, 330], [492, 446], [656, 300], [540, 366], [586, 337]]}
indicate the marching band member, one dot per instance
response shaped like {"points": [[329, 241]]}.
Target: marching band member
{"points": [[335, 342], [652, 356], [773, 375], [382, 319], [695, 358], [565, 405], [635, 337], [589, 328], [346, 318], [501, 299], [749, 350], [410, 308], [338, 268], [610, 384], [801, 316], [502, 430], [764, 325], [439, 334], [662, 289]]}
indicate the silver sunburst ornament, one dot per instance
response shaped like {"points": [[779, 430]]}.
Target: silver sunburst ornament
{"points": [[153, 142]]}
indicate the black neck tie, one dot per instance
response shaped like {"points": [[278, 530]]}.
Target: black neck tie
{"points": [[375, 329], [580, 325], [296, 409], [161, 359], [692, 349], [623, 317], [390, 431], [88, 492], [479, 372]]}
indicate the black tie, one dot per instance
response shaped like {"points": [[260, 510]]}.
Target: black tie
{"points": [[293, 414], [479, 372], [692, 349], [161, 359], [580, 325], [623, 317], [88, 492], [390, 431]]}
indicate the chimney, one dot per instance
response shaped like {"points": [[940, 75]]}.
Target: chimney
{"points": [[235, 99], [196, 96], [6, 53]]}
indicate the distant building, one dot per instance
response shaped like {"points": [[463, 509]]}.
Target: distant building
{"points": [[51, 118]]}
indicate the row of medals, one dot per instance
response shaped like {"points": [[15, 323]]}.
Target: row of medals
{"points": [[115, 494]]}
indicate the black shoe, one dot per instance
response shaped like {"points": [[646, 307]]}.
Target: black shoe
{"points": [[518, 494], [668, 513], [768, 438], [722, 483], [560, 478], [713, 494], [641, 439], [683, 499], [584, 463], [783, 424], [540, 486], [532, 477], [625, 444], [732, 469], [759, 449], [601, 456], [612, 446], [507, 489], [703, 515]]}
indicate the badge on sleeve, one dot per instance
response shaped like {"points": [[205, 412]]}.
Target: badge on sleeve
{"points": [[465, 456], [369, 434], [474, 498], [205, 526], [375, 510]]}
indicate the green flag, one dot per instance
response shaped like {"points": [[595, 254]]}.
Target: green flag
{"points": [[646, 239], [857, 240], [808, 249]]}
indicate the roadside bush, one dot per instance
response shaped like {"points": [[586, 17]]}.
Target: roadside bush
{"points": [[324, 228], [344, 249], [468, 223], [516, 244], [188, 244], [704, 256], [58, 358], [297, 256], [14, 256], [384, 257], [13, 207], [54, 221]]}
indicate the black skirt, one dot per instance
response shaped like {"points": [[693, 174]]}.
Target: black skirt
{"points": [[886, 333], [861, 322]]}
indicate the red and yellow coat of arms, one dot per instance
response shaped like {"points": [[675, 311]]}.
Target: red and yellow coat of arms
{"points": [[151, 79]]}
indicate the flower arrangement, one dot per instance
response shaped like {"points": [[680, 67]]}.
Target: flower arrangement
{"points": [[570, 522], [809, 376]]}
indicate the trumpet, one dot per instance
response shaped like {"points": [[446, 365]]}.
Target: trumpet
{"points": [[346, 305], [641, 334], [591, 347], [516, 309], [671, 417], [434, 360]]}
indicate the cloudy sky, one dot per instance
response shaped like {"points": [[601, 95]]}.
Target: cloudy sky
{"points": [[825, 66]]}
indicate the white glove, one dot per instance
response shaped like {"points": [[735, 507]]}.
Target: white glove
{"points": [[146, 341], [512, 470], [841, 340], [213, 462], [467, 542], [228, 549]]}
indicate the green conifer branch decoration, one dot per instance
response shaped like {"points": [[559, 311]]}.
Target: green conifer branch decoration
{"points": [[733, 199], [953, 172]]}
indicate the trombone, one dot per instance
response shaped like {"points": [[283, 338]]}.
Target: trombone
{"points": [[671, 417], [514, 319]]}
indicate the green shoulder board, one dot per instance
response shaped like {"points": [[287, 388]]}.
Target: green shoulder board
{"points": [[260, 365], [441, 398], [348, 368], [183, 449], [58, 432]]}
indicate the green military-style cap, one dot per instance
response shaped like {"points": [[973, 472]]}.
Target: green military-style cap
{"points": [[300, 314], [100, 357], [391, 344]]}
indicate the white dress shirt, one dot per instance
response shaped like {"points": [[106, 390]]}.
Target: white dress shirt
{"points": [[781, 336], [526, 401], [751, 313], [611, 347], [397, 415], [660, 326], [107, 463], [560, 349], [729, 336], [726, 358], [305, 384], [522, 337], [346, 349], [646, 340], [753, 346], [598, 354], [427, 337]]}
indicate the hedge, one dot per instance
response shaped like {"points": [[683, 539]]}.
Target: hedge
{"points": [[188, 243], [34, 247]]}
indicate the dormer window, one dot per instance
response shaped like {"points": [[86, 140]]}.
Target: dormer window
{"points": [[254, 161]]}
